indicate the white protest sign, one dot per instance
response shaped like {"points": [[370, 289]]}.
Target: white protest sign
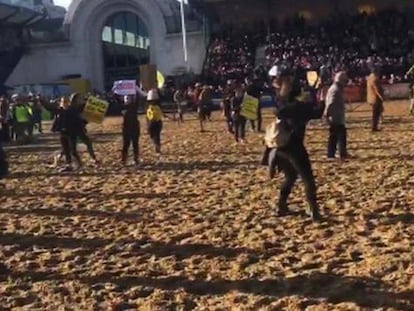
{"points": [[125, 87]]}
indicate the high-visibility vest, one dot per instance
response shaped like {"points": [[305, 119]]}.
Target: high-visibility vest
{"points": [[22, 114]]}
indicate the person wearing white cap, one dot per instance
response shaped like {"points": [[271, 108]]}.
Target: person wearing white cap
{"points": [[154, 117], [335, 116]]}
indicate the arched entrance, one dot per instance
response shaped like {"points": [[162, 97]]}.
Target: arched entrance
{"points": [[125, 46]]}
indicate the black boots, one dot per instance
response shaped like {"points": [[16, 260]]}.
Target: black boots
{"points": [[313, 211]]}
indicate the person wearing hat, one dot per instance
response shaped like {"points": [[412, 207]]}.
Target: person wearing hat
{"points": [[335, 116], [375, 97], [154, 118], [130, 129], [285, 150]]}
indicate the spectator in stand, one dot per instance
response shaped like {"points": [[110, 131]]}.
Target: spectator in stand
{"points": [[343, 42]]}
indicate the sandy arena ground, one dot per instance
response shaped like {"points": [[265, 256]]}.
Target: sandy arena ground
{"points": [[197, 231]]}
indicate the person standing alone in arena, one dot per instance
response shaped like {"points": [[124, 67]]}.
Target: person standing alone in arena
{"points": [[375, 97], [335, 115]]}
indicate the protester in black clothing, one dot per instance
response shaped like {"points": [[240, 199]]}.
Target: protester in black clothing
{"points": [[239, 121], [68, 123], [130, 129], [4, 166], [78, 102], [288, 153], [228, 95]]}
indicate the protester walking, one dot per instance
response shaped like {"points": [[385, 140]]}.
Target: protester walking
{"points": [[22, 115], [154, 118], [239, 120], [254, 88], [335, 116], [130, 129], [180, 101], [375, 97], [285, 150], [228, 95], [77, 103], [204, 100], [67, 123]]}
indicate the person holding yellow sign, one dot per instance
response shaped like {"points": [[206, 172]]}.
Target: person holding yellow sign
{"points": [[239, 118], [154, 118]]}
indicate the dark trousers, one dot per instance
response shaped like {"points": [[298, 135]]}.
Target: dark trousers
{"points": [[294, 163], [130, 137], [377, 110], [154, 130], [257, 122], [5, 133], [229, 122], [337, 137], [84, 138], [239, 127], [69, 148], [4, 167]]}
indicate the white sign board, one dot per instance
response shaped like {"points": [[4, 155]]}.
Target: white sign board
{"points": [[125, 87]]}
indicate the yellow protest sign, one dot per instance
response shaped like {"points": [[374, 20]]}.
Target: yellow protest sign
{"points": [[160, 79], [249, 107], [313, 78], [95, 110]]}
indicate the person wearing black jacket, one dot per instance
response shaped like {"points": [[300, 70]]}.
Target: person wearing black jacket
{"points": [[290, 155], [68, 123], [130, 129]]}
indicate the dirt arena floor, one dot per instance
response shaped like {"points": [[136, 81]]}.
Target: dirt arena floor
{"points": [[196, 230]]}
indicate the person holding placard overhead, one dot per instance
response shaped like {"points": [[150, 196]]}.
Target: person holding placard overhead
{"points": [[154, 117], [285, 149]]}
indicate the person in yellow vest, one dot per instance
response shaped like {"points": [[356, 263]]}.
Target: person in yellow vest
{"points": [[375, 97], [154, 118], [22, 118], [239, 120]]}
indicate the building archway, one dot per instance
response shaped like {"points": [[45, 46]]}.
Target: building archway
{"points": [[125, 46]]}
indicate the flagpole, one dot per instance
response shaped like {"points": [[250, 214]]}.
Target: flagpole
{"points": [[184, 32]]}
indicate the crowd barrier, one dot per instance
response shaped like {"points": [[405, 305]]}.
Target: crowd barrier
{"points": [[357, 93]]}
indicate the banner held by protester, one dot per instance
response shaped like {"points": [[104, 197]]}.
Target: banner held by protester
{"points": [[95, 110], [125, 87], [249, 107]]}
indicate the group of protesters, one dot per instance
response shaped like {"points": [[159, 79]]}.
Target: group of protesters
{"points": [[296, 103], [20, 117]]}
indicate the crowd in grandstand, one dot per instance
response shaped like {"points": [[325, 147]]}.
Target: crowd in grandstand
{"points": [[344, 42]]}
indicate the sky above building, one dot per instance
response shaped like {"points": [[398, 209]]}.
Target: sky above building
{"points": [[64, 3]]}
